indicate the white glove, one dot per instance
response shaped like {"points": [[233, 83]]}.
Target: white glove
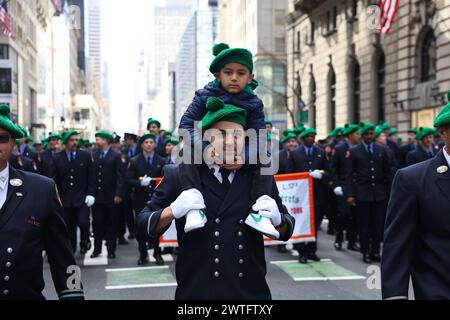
{"points": [[145, 182], [188, 200], [316, 174], [267, 207], [90, 200], [338, 191]]}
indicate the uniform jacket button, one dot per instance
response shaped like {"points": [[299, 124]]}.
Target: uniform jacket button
{"points": [[216, 247], [240, 275], [240, 233], [216, 260], [9, 250], [216, 274], [216, 233], [241, 247], [241, 221], [6, 278], [241, 261], [217, 220], [5, 292], [8, 264]]}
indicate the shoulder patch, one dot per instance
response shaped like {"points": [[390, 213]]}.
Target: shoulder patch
{"points": [[347, 154]]}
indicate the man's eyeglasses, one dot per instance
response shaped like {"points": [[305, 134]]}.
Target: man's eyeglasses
{"points": [[4, 138]]}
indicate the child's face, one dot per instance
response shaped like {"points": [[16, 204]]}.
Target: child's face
{"points": [[234, 77]]}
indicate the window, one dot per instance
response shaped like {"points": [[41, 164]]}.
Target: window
{"points": [[280, 45], [356, 91], [332, 99], [5, 80], [4, 51], [279, 17], [354, 8], [85, 114], [298, 41], [331, 21], [334, 18], [313, 28], [312, 105], [428, 57], [380, 87]]}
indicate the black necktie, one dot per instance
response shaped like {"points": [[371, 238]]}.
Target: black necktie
{"points": [[72, 156], [149, 161], [430, 154], [225, 174]]}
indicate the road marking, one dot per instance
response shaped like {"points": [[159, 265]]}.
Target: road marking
{"points": [[101, 260], [139, 277], [136, 268], [166, 257], [173, 284]]}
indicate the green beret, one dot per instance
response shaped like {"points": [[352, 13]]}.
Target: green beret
{"points": [[17, 143], [288, 131], [287, 137], [443, 117], [384, 125], [167, 133], [335, 132], [308, 131], [225, 55], [6, 123], [29, 139], [151, 120], [54, 135], [349, 128], [217, 111], [299, 129], [172, 141], [105, 135], [413, 130], [366, 126], [399, 138], [392, 132], [268, 122], [67, 134], [145, 137], [44, 144], [378, 130], [424, 132]]}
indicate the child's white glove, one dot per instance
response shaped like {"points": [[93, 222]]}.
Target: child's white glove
{"points": [[188, 200], [316, 174], [267, 207]]}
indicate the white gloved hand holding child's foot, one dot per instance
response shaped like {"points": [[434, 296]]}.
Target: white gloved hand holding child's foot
{"points": [[188, 200], [267, 207]]}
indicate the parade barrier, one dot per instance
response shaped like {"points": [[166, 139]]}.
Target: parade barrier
{"points": [[296, 192]]}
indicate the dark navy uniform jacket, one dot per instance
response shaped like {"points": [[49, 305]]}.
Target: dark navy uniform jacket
{"points": [[417, 232], [109, 176], [368, 179], [418, 155], [225, 259], [47, 165], [30, 222], [26, 164], [285, 162], [139, 168], [75, 180], [339, 162]]}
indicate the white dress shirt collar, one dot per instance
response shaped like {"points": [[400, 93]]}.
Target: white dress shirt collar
{"points": [[215, 171], [4, 177], [446, 155]]}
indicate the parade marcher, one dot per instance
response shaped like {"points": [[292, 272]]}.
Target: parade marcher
{"points": [[346, 214], [30, 222], [368, 178], [269, 126], [411, 144], [131, 147], [20, 162], [310, 158], [289, 142], [74, 176], [153, 127], [27, 151], [46, 157], [142, 169], [426, 148], [224, 259], [171, 150], [417, 229], [110, 177]]}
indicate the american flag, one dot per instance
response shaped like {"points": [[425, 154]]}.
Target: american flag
{"points": [[388, 11], [5, 20]]}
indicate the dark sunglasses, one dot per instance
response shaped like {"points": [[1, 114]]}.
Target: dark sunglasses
{"points": [[4, 138]]}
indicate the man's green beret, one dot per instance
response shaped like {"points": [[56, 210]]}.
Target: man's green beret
{"points": [[104, 135], [288, 136], [308, 131], [366, 126], [349, 128], [145, 137], [424, 132], [151, 120], [67, 134], [443, 117], [217, 111], [6, 123]]}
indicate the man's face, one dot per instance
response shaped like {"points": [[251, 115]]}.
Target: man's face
{"points": [[7, 144], [129, 142], [445, 135], [101, 143], [411, 137], [291, 144], [52, 143], [393, 137], [354, 137], [368, 136], [234, 77], [148, 145], [72, 143], [153, 129], [381, 139], [268, 128], [227, 139], [309, 140], [427, 142], [169, 148]]}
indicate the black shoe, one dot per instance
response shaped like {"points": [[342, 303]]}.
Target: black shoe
{"points": [[159, 259], [95, 254], [132, 236], [302, 259], [123, 241], [282, 248], [313, 257], [338, 246], [111, 255], [352, 246], [366, 258], [143, 261], [375, 257]]}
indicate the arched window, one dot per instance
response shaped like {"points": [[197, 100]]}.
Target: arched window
{"points": [[312, 103], [428, 57], [356, 93], [332, 99], [380, 85]]}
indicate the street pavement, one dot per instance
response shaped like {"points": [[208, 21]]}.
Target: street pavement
{"points": [[339, 276]]}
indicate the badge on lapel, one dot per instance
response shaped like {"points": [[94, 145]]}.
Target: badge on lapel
{"points": [[15, 182], [442, 169]]}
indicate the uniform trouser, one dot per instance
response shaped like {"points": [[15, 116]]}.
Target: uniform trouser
{"points": [[370, 223], [105, 217], [142, 242], [126, 217], [307, 248], [346, 221], [77, 217], [332, 211]]}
